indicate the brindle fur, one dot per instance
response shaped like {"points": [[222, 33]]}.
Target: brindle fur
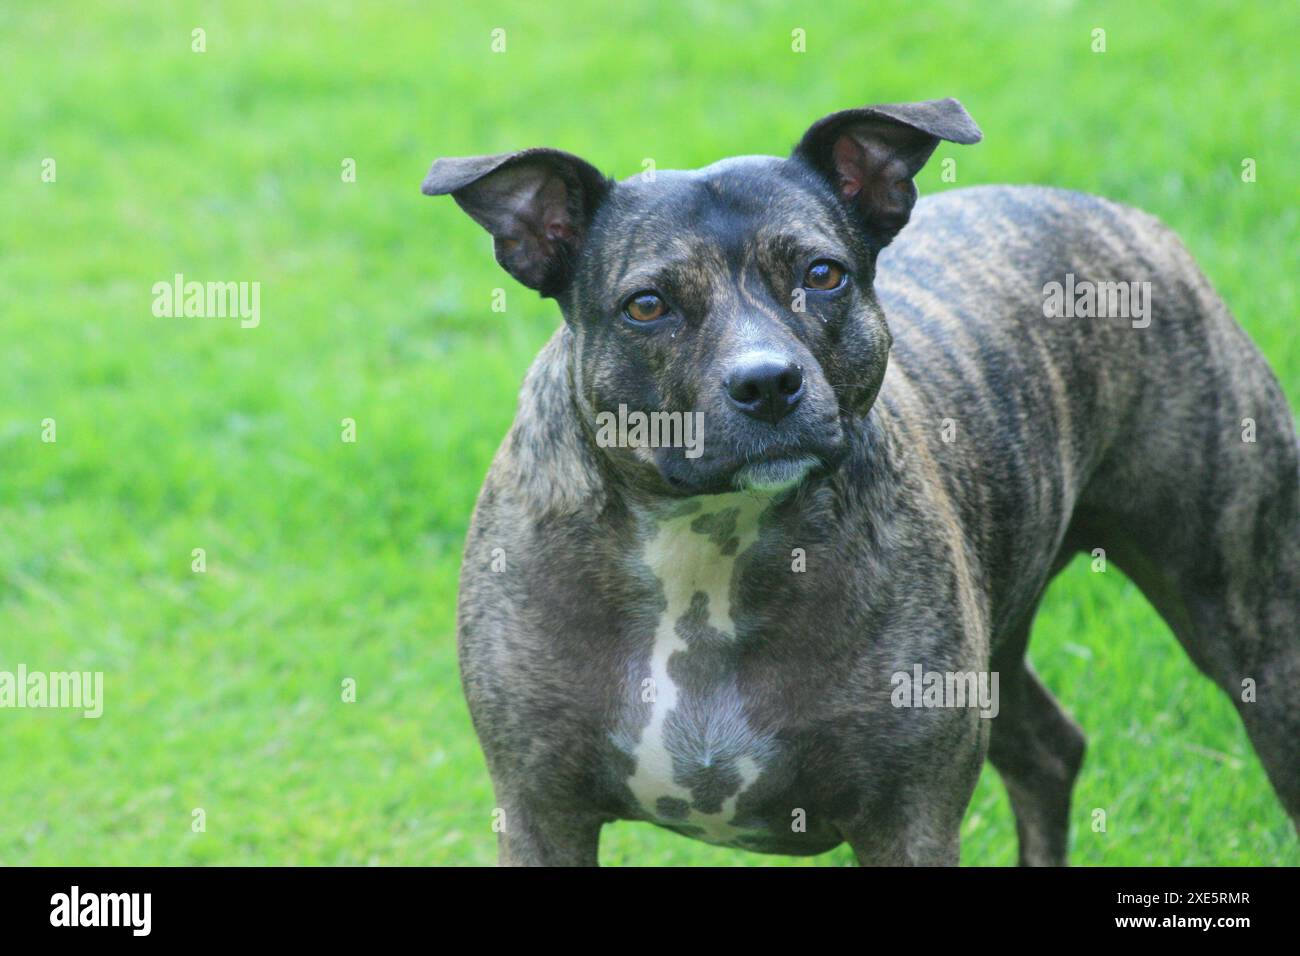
{"points": [[1070, 435]]}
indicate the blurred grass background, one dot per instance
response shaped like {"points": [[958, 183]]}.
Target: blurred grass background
{"points": [[329, 560]]}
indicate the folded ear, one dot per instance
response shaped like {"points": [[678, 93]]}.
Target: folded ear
{"points": [[536, 203], [870, 155]]}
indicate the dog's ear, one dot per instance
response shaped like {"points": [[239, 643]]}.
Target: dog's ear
{"points": [[536, 203], [870, 155]]}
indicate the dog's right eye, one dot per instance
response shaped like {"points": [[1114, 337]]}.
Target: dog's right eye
{"points": [[645, 307], [824, 275]]}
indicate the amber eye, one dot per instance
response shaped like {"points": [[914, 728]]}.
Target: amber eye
{"points": [[645, 307], [823, 275]]}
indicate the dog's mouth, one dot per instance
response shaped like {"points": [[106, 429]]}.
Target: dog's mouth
{"points": [[777, 471]]}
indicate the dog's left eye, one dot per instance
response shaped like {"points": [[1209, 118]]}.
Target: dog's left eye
{"points": [[824, 275], [645, 307]]}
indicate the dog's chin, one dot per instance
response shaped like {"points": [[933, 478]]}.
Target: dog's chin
{"points": [[775, 476]]}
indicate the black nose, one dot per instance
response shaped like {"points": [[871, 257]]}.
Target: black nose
{"points": [[765, 387]]}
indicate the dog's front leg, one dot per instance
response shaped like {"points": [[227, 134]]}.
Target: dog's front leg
{"points": [[531, 834], [915, 818], [928, 843]]}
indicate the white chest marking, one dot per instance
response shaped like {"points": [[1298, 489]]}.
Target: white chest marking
{"points": [[689, 561]]}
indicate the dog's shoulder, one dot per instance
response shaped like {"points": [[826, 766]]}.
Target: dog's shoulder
{"points": [[545, 465]]}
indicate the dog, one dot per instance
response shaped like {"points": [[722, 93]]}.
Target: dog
{"points": [[906, 433]]}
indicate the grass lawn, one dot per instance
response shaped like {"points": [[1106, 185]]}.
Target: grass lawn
{"points": [[328, 560]]}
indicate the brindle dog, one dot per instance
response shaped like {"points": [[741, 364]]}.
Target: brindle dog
{"points": [[900, 451]]}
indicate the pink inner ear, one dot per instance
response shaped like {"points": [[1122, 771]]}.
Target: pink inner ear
{"points": [[558, 229], [849, 158], [554, 200]]}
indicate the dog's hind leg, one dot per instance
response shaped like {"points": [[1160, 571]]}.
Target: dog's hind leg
{"points": [[1223, 570], [1246, 612], [1250, 624], [1271, 710], [1239, 621], [1038, 750]]}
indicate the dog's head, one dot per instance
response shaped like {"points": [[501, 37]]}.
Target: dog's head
{"points": [[739, 295]]}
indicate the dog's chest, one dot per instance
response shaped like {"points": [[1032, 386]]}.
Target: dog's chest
{"points": [[699, 750]]}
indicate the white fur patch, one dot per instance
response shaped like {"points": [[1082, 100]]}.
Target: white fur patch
{"points": [[688, 562]]}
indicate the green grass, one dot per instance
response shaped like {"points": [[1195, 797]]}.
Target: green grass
{"points": [[329, 560]]}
